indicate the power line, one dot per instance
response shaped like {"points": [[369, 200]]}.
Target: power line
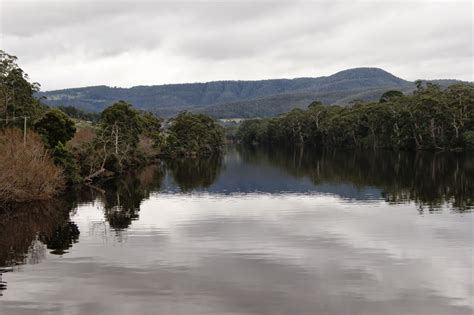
{"points": [[13, 118]]}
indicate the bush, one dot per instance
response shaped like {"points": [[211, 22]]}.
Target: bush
{"points": [[55, 127], [63, 157], [27, 172]]}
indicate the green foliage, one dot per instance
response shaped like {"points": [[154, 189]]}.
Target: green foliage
{"points": [[55, 127], [194, 134], [16, 93], [124, 117], [120, 127], [151, 127], [253, 131], [66, 160], [431, 118]]}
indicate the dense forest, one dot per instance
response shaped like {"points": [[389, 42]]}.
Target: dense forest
{"points": [[43, 149], [431, 118]]}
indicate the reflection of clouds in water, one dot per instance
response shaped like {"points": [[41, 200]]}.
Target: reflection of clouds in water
{"points": [[3, 284], [259, 254], [305, 251], [305, 231], [320, 242]]}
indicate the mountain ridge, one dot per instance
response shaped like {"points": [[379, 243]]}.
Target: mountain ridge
{"points": [[238, 98]]}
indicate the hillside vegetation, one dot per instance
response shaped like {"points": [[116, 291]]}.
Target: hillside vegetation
{"points": [[231, 99]]}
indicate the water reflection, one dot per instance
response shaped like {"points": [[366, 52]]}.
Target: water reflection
{"points": [[28, 231], [63, 238], [122, 197], [26, 224], [428, 179], [431, 180], [193, 174], [253, 232]]}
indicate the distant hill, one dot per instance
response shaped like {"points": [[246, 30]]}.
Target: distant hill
{"points": [[232, 99]]}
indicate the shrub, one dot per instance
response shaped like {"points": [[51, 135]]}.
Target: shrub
{"points": [[55, 126], [63, 157], [27, 172]]}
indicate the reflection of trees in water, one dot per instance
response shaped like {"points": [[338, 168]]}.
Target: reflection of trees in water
{"points": [[63, 238], [3, 284], [122, 196], [27, 231], [36, 252], [429, 179], [24, 228], [194, 173]]}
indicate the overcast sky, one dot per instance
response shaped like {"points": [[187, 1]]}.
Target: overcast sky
{"points": [[72, 43]]}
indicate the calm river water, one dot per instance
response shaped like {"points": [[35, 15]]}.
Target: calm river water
{"points": [[255, 232]]}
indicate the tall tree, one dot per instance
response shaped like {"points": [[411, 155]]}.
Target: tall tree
{"points": [[194, 134], [120, 127], [16, 92]]}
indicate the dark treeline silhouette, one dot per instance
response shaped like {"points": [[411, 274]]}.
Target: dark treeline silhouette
{"points": [[430, 180], [431, 118], [191, 174], [121, 197], [45, 222]]}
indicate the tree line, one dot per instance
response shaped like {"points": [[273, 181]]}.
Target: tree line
{"points": [[82, 146], [431, 118]]}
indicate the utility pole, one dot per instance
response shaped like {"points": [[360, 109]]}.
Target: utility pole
{"points": [[24, 130], [116, 139]]}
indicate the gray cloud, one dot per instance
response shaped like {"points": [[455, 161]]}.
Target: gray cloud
{"points": [[124, 43]]}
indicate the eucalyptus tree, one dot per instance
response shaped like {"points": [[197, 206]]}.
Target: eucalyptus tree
{"points": [[191, 134], [120, 127], [16, 92], [431, 118]]}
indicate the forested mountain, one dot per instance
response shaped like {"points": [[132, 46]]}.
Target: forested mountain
{"points": [[230, 99]]}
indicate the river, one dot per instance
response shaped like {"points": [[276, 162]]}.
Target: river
{"points": [[252, 232]]}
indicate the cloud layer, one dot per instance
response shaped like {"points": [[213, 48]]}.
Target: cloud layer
{"points": [[73, 43]]}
